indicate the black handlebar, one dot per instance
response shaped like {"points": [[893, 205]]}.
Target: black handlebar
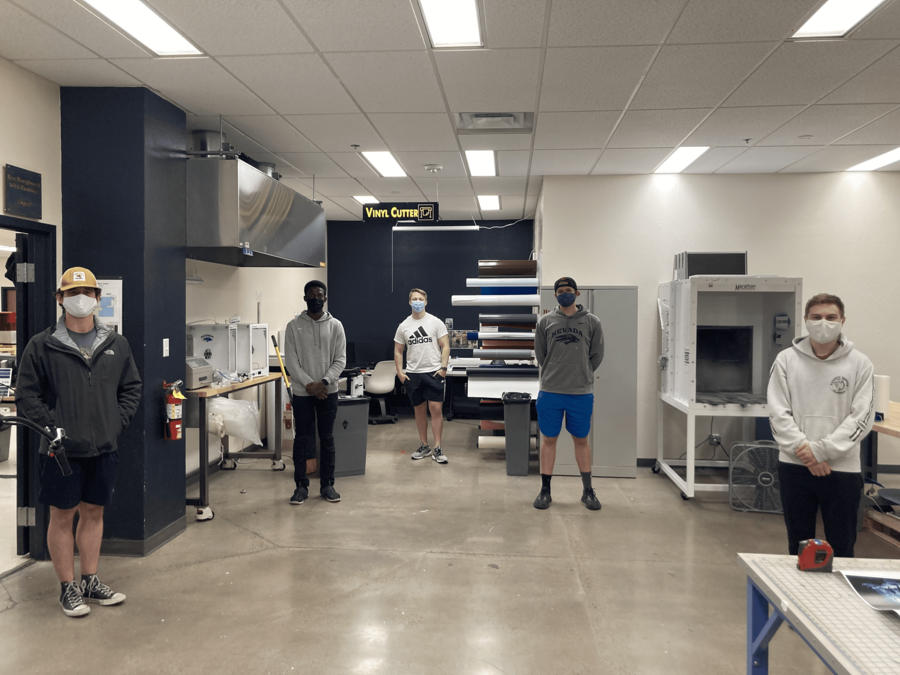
{"points": [[55, 437]]}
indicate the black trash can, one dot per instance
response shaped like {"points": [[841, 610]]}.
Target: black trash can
{"points": [[517, 421]]}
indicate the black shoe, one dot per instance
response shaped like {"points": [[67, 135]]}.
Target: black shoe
{"points": [[94, 590], [300, 495], [72, 602], [329, 494], [590, 500], [543, 499]]}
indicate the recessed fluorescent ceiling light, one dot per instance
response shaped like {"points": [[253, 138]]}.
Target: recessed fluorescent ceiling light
{"points": [[489, 202], [836, 18], [365, 199], [143, 24], [878, 162], [681, 159], [481, 162], [452, 24], [385, 164]]}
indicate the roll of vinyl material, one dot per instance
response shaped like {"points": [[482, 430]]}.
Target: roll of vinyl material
{"points": [[499, 442], [476, 335], [882, 396], [503, 353], [531, 300]]}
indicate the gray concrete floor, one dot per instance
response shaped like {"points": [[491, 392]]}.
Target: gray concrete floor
{"points": [[421, 569]]}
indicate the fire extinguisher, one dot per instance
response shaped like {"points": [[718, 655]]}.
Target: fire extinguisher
{"points": [[174, 397]]}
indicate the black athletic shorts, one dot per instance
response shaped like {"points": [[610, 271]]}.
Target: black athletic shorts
{"points": [[92, 481], [423, 387]]}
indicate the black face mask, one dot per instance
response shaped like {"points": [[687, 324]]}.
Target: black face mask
{"points": [[315, 305]]}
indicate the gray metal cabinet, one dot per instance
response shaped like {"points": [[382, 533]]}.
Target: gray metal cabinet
{"points": [[613, 436]]}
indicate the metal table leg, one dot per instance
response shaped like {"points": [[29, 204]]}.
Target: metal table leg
{"points": [[760, 630], [204, 512]]}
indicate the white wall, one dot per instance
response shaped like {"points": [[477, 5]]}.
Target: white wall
{"points": [[30, 137], [840, 232]]}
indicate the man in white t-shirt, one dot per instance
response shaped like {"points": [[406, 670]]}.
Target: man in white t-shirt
{"points": [[427, 354]]}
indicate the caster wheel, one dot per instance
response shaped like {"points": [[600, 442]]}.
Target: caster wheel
{"points": [[393, 421], [278, 466], [656, 468], [205, 513], [684, 496], [228, 465]]}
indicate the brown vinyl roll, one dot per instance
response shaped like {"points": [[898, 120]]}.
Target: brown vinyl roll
{"points": [[507, 268], [507, 344]]}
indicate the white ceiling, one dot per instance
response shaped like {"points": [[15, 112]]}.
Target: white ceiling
{"points": [[614, 86]]}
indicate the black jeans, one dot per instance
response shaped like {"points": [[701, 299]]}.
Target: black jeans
{"points": [[837, 494], [310, 412]]}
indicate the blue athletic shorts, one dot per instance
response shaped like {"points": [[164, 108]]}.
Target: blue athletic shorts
{"points": [[578, 409], [92, 481]]}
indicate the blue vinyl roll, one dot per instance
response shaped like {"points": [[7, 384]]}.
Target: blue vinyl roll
{"points": [[472, 335]]}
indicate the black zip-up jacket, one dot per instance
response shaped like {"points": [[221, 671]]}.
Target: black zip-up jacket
{"points": [[92, 399]]}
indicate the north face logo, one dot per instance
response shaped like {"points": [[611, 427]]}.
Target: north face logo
{"points": [[839, 385], [110, 352], [567, 339], [345, 424]]}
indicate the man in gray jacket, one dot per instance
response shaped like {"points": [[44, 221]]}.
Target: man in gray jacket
{"points": [[568, 344], [314, 355]]}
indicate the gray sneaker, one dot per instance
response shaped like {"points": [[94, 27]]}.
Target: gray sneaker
{"points": [[94, 590], [72, 602], [423, 452], [438, 456]]}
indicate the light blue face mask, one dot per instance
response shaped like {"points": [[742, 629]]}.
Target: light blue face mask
{"points": [[417, 305]]}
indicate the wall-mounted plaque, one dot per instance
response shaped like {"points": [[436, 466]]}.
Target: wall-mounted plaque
{"points": [[23, 193]]}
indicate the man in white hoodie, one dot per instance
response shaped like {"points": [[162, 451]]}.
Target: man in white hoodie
{"points": [[314, 355], [820, 397]]}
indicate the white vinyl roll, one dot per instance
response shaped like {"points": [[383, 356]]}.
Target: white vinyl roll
{"points": [[505, 336], [499, 442], [506, 300], [503, 353], [502, 281], [883, 395]]}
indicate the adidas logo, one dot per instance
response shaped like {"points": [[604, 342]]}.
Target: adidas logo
{"points": [[419, 337]]}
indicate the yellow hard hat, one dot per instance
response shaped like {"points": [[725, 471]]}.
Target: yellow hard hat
{"points": [[77, 277]]}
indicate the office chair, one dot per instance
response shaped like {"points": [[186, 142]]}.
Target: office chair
{"points": [[380, 383]]}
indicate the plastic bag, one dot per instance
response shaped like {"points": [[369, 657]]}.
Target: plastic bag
{"points": [[229, 417]]}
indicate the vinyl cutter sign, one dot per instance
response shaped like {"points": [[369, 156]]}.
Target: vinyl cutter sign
{"points": [[390, 213]]}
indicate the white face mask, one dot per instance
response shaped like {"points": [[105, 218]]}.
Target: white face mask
{"points": [[79, 305], [823, 331]]}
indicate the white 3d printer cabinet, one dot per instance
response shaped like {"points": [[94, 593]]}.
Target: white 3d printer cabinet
{"points": [[720, 337]]}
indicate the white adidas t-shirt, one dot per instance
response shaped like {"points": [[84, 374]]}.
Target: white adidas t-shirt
{"points": [[423, 353]]}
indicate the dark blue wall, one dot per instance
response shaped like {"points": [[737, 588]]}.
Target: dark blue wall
{"points": [[370, 303], [123, 192]]}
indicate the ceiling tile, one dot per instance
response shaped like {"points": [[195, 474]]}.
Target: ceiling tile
{"points": [[879, 83], [272, 132], [713, 159], [655, 128], [514, 23], [534, 186], [389, 189], [24, 37], [766, 160], [490, 80], [416, 131], [697, 76], [837, 158], [574, 130], [244, 143], [883, 24], [199, 85], [803, 72], [499, 185], [530, 206], [203, 122], [83, 26], [292, 83], [510, 210], [733, 126], [235, 27], [458, 208], [446, 187], [353, 207], [353, 26], [353, 164], [514, 162], [629, 160], [80, 72], [336, 133], [414, 163], [826, 123], [495, 141], [564, 162], [339, 187], [598, 78], [757, 21], [299, 186], [576, 23], [885, 130], [389, 81], [313, 164], [333, 211]]}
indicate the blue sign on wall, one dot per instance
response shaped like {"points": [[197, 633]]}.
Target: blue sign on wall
{"points": [[23, 193]]}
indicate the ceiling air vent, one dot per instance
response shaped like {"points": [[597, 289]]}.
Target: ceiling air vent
{"points": [[494, 123]]}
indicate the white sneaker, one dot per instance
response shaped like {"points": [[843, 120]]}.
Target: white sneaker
{"points": [[422, 452], [438, 456]]}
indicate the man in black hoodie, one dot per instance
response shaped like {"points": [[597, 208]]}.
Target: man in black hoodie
{"points": [[79, 375]]}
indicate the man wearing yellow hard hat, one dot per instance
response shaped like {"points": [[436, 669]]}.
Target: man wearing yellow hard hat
{"points": [[79, 375]]}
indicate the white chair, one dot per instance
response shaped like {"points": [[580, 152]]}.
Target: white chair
{"points": [[380, 383]]}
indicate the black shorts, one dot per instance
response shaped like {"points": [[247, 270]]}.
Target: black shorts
{"points": [[423, 387], [92, 481]]}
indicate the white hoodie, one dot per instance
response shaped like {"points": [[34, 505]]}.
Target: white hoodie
{"points": [[828, 403]]}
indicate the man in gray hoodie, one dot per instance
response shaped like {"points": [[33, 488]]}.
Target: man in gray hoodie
{"points": [[568, 344], [820, 398], [314, 355]]}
